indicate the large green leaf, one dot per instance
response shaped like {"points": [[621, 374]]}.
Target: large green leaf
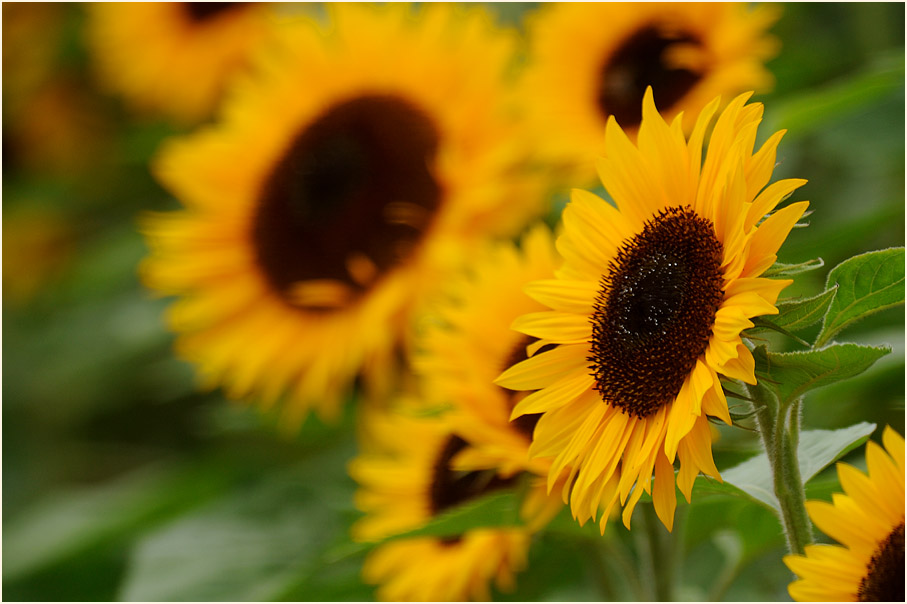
{"points": [[818, 449], [867, 283], [791, 374]]}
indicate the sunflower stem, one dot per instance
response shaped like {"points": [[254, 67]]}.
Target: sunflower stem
{"points": [[616, 549], [779, 427], [789, 484], [661, 553], [600, 569]]}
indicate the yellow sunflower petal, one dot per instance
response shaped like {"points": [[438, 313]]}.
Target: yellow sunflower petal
{"points": [[894, 444], [556, 395], [554, 326], [563, 295], [769, 237], [542, 369]]}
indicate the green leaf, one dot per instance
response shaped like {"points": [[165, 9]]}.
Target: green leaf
{"points": [[67, 524], [794, 315], [495, 510], [779, 269], [818, 449], [791, 374], [248, 546], [867, 283], [500, 509]]}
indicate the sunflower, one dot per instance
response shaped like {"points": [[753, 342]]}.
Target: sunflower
{"points": [[347, 180], [590, 61], [38, 245], [407, 479], [467, 342], [173, 58], [869, 522], [649, 305]]}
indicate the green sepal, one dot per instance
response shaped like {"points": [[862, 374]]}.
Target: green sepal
{"points": [[779, 269]]}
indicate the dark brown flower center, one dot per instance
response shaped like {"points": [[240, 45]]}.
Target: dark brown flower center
{"points": [[640, 62], [655, 311], [451, 487], [885, 579], [199, 12], [350, 198]]}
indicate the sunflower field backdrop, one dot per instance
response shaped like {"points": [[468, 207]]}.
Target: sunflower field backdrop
{"points": [[223, 448]]}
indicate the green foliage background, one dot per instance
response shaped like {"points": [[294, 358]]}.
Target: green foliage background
{"points": [[122, 481]]}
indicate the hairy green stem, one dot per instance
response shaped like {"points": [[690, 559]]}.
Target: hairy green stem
{"points": [[598, 560], [661, 552], [779, 428]]}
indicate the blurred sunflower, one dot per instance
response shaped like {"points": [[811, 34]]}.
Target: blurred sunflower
{"points": [[869, 521], [173, 58], [38, 244], [351, 177], [589, 61], [469, 342], [649, 306], [409, 477]]}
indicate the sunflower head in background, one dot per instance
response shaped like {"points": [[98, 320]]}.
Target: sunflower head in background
{"points": [[648, 308], [868, 521], [467, 342], [592, 61], [408, 477], [173, 59], [346, 180]]}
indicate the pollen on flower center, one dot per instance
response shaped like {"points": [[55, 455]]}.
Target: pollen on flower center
{"points": [[451, 487], [885, 580], [350, 198], [639, 62], [655, 311]]}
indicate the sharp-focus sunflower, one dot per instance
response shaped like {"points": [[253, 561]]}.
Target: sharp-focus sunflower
{"points": [[649, 305], [173, 58], [408, 478], [347, 180], [869, 522], [590, 61], [467, 342]]}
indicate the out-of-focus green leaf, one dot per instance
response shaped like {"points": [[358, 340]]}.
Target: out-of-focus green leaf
{"points": [[256, 543], [813, 108], [866, 284], [67, 523], [791, 374], [818, 449], [246, 547], [779, 269], [496, 510]]}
